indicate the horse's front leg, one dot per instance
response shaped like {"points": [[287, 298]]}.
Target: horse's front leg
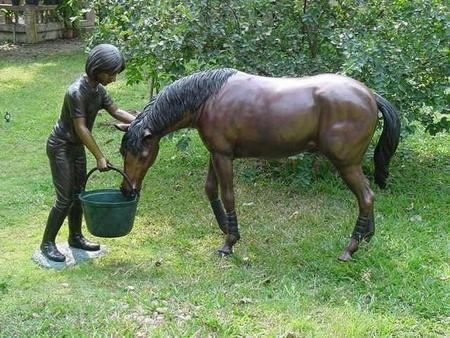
{"points": [[212, 191], [223, 166]]}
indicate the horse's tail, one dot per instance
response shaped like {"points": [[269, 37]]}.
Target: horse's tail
{"points": [[388, 142]]}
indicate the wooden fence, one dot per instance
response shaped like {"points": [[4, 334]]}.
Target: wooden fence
{"points": [[31, 24]]}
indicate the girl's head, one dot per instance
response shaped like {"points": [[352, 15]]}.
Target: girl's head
{"points": [[104, 62]]}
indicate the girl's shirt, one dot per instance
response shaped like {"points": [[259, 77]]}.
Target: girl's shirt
{"points": [[81, 100]]}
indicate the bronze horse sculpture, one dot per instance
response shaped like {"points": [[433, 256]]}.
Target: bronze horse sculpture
{"points": [[239, 115]]}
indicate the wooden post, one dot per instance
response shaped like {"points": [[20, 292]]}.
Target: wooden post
{"points": [[30, 24], [14, 33]]}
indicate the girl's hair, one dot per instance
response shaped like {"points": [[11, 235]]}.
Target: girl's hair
{"points": [[104, 58]]}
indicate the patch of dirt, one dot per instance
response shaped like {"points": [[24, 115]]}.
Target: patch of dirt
{"points": [[46, 48]]}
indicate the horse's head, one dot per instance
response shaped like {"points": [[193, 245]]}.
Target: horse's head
{"points": [[137, 160]]}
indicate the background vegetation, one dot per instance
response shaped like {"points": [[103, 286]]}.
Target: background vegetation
{"points": [[165, 278], [397, 47]]}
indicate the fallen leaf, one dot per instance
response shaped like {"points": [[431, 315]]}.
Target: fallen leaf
{"points": [[416, 218], [161, 309], [366, 276], [245, 300], [295, 213]]}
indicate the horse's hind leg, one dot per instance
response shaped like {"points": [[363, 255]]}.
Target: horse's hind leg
{"points": [[365, 225], [212, 191], [223, 167]]}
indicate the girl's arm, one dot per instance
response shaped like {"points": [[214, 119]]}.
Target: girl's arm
{"points": [[119, 114], [88, 140]]}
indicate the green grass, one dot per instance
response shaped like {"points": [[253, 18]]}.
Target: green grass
{"points": [[165, 278]]}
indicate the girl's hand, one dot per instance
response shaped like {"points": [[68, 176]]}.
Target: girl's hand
{"points": [[102, 164]]}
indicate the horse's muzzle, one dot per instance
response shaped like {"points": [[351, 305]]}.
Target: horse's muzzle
{"points": [[126, 191]]}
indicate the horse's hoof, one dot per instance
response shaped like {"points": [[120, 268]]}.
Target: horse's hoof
{"points": [[224, 252], [345, 257]]}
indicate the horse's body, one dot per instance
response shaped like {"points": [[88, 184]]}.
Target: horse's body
{"points": [[276, 117], [239, 115]]}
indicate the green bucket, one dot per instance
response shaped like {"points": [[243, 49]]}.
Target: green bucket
{"points": [[107, 212]]}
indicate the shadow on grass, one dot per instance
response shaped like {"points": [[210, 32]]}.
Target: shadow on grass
{"points": [[302, 251], [291, 235]]}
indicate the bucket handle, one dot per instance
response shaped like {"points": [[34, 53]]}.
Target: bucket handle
{"points": [[110, 166]]}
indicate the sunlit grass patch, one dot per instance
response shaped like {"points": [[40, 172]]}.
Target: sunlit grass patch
{"points": [[166, 279]]}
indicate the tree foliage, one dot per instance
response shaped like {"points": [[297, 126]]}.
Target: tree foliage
{"points": [[397, 47]]}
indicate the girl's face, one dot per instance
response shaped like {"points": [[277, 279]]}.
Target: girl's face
{"points": [[106, 78]]}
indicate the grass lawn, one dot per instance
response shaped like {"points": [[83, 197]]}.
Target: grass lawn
{"points": [[165, 278]]}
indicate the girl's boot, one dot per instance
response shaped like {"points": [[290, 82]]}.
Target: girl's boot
{"points": [[76, 239], [48, 246]]}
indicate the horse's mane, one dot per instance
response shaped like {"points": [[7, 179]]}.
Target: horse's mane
{"points": [[185, 95]]}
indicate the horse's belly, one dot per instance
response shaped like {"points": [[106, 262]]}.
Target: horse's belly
{"points": [[272, 151]]}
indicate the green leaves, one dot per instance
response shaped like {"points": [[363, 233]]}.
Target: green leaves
{"points": [[395, 47]]}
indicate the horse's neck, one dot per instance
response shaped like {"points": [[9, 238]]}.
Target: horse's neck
{"points": [[185, 122]]}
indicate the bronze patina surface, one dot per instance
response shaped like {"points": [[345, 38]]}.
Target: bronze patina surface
{"points": [[239, 115], [65, 145]]}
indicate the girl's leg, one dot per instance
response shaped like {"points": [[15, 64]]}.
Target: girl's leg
{"points": [[62, 173], [76, 239]]}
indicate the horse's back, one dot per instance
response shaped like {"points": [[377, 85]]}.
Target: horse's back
{"points": [[276, 95], [275, 117]]}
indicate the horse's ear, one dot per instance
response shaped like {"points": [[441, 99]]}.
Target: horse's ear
{"points": [[147, 133], [122, 126]]}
